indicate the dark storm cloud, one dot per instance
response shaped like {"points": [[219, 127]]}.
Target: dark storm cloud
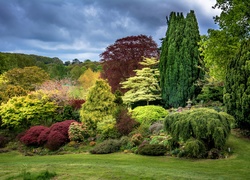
{"points": [[84, 28]]}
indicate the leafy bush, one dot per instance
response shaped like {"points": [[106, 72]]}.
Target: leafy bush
{"points": [[78, 132], [30, 138], [156, 127], [125, 123], [55, 140], [67, 112], [206, 125], [9, 91], [137, 139], [149, 114], [76, 103], [62, 127], [165, 140], [43, 137], [194, 148], [26, 111], [107, 127], [99, 104], [106, 147], [152, 150]]}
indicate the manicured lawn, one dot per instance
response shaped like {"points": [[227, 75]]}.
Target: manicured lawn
{"points": [[130, 166]]}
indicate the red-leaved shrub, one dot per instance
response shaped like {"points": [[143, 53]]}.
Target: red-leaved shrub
{"points": [[76, 103], [62, 127], [125, 123], [43, 137], [30, 137], [56, 140]]}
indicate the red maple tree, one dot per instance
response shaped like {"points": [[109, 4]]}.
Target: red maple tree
{"points": [[120, 59]]}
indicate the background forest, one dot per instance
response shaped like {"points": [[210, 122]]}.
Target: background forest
{"points": [[181, 99]]}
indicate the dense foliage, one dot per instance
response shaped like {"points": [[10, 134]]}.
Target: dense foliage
{"points": [[28, 77], [106, 147], [31, 136], [120, 59], [210, 127], [237, 87], [144, 86], [25, 111], [99, 105], [50, 137], [180, 60], [149, 114]]}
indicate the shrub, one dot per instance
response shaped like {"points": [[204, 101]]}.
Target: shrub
{"points": [[125, 123], [78, 132], [152, 150], [43, 137], [149, 114], [76, 103], [26, 111], [156, 127], [206, 125], [106, 127], [55, 140], [194, 148], [67, 112], [136, 139], [30, 137], [106, 147], [62, 127]]}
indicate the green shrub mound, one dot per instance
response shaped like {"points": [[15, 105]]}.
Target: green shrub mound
{"points": [[152, 149], [149, 114], [194, 148], [199, 126], [106, 147]]}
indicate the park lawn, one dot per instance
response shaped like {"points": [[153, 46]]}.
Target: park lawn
{"points": [[121, 166]]}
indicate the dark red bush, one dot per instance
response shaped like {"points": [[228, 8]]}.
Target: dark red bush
{"points": [[62, 127], [125, 123], [56, 140], [30, 137], [76, 103], [43, 137]]}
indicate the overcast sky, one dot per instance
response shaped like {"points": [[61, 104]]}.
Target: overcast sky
{"points": [[82, 29]]}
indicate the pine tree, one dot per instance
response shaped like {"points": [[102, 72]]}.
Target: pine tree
{"points": [[237, 87], [179, 60]]}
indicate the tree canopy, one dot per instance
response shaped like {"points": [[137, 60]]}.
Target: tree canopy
{"points": [[144, 86], [28, 77], [180, 60], [120, 59]]}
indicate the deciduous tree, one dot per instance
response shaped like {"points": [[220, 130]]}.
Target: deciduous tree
{"points": [[144, 86], [28, 78], [120, 59]]}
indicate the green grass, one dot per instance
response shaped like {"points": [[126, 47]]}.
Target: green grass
{"points": [[130, 166]]}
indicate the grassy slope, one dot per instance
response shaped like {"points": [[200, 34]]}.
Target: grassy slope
{"points": [[131, 166]]}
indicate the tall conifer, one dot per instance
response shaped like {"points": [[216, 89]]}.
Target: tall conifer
{"points": [[237, 87], [179, 60]]}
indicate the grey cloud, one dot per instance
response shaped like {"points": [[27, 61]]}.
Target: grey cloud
{"points": [[62, 27]]}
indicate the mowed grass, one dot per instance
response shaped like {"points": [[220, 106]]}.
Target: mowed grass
{"points": [[130, 166]]}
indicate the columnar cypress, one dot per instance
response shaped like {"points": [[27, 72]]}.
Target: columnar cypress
{"points": [[237, 87], [179, 60]]}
